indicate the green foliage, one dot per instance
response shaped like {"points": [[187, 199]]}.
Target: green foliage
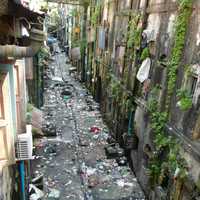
{"points": [[185, 100], [55, 18], [29, 108], [95, 15], [185, 8], [29, 111], [163, 142], [43, 53], [188, 71], [154, 170], [83, 45], [115, 88], [74, 12], [76, 42], [145, 54], [134, 33]]}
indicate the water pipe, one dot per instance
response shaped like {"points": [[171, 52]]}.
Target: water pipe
{"points": [[22, 179], [130, 123]]}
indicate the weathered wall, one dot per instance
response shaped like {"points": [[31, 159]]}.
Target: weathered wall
{"points": [[166, 32], [6, 183]]}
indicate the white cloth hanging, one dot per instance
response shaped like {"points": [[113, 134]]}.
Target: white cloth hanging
{"points": [[143, 72]]}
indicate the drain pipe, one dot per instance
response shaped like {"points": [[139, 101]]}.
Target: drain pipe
{"points": [[37, 38], [130, 123], [15, 51], [22, 179]]}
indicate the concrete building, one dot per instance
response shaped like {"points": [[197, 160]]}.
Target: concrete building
{"points": [[18, 40]]}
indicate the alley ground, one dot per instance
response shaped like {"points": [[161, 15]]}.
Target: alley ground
{"points": [[73, 164]]}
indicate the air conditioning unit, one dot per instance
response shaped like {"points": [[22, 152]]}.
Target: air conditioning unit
{"points": [[24, 145]]}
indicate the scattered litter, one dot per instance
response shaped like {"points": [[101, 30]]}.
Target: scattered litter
{"points": [[79, 159], [68, 183], [54, 194], [57, 79], [95, 129], [35, 193]]}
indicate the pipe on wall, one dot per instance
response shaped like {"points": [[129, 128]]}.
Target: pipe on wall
{"points": [[22, 180], [15, 51], [37, 38]]}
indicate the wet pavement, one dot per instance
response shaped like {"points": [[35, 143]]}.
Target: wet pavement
{"points": [[71, 163]]}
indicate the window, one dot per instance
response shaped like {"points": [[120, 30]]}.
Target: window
{"points": [[193, 85], [3, 152], [6, 130], [1, 103]]}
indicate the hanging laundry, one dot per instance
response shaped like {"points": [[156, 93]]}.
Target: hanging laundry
{"points": [[143, 72], [149, 35]]}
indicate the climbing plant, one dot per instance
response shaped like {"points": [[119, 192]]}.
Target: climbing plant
{"points": [[133, 42], [185, 99], [158, 119], [163, 143], [134, 33], [185, 9], [95, 15], [145, 54]]}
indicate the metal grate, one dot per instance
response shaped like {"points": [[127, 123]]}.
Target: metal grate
{"points": [[22, 150], [24, 145]]}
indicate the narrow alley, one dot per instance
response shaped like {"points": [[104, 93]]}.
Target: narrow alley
{"points": [[74, 164]]}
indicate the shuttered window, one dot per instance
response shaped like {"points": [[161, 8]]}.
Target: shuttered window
{"points": [[6, 130]]}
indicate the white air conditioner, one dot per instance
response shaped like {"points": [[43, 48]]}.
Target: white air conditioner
{"points": [[24, 145]]}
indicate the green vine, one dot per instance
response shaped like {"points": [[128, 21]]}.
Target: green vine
{"points": [[95, 15], [115, 88], [185, 8], [185, 99], [163, 143], [145, 54], [134, 33]]}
